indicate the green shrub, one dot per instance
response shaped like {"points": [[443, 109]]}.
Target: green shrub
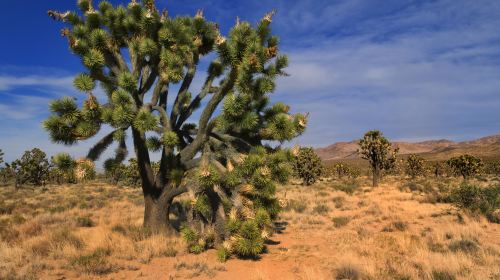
{"points": [[223, 254], [478, 200]]}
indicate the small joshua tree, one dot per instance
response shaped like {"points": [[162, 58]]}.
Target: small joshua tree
{"points": [[307, 165], [375, 148], [63, 168], [438, 169], [465, 165], [341, 169], [138, 54], [414, 166]]}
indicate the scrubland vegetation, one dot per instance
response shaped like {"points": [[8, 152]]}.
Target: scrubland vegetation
{"points": [[412, 226]]}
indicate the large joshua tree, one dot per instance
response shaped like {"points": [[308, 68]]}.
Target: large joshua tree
{"points": [[137, 53], [375, 148]]}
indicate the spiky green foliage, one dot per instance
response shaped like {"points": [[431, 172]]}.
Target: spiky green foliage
{"points": [[465, 165], [249, 243], [63, 168], [308, 165], [415, 166], [163, 51], [375, 148]]}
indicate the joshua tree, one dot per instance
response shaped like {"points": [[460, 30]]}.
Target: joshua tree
{"points": [[33, 167], [137, 54], [414, 166], [307, 165], [375, 148], [465, 165], [341, 169], [63, 168]]}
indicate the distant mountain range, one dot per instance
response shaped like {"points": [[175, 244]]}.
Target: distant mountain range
{"points": [[487, 147]]}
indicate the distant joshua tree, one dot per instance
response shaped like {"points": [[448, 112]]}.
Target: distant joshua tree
{"points": [[465, 165], [415, 166], [375, 148]]}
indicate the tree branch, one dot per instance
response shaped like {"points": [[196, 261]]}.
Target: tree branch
{"points": [[190, 150]]}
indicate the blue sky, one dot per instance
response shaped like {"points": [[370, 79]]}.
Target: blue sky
{"points": [[414, 69]]}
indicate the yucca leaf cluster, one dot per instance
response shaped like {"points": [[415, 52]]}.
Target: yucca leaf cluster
{"points": [[244, 192]]}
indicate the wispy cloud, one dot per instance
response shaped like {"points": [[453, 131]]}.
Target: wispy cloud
{"points": [[423, 71]]}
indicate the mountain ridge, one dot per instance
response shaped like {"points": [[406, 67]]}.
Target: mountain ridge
{"points": [[484, 146]]}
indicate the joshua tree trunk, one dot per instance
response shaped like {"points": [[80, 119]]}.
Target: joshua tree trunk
{"points": [[376, 176], [156, 212]]}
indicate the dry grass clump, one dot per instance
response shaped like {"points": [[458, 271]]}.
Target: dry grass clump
{"points": [[94, 263], [348, 272], [340, 221]]}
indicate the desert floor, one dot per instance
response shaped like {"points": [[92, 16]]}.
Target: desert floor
{"points": [[335, 229]]}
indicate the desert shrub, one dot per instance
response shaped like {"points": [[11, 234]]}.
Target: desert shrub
{"points": [[492, 167], [348, 187], [338, 201], [6, 208], [321, 209], [340, 221], [298, 206], [465, 165], [94, 263], [442, 275], [223, 254], [348, 271], [396, 225], [307, 165], [64, 236], [478, 200], [464, 245], [84, 221], [136, 233]]}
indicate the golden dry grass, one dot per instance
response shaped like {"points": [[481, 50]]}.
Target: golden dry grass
{"points": [[330, 231]]}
